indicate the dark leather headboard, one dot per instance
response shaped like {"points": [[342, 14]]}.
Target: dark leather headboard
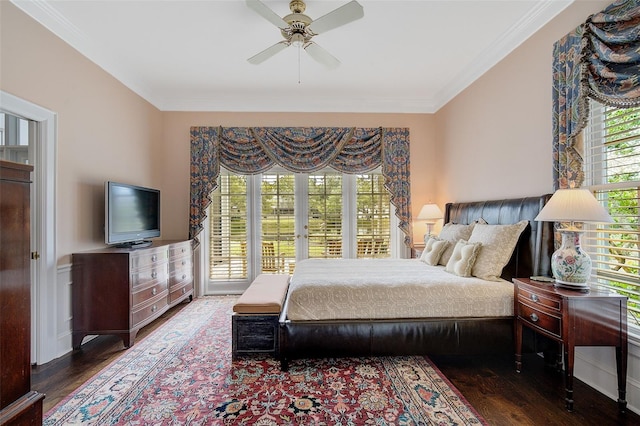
{"points": [[532, 255]]}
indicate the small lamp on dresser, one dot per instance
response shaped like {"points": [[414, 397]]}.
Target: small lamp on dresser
{"points": [[571, 266], [430, 213]]}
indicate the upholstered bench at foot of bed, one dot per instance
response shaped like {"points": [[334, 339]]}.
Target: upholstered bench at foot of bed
{"points": [[254, 323]]}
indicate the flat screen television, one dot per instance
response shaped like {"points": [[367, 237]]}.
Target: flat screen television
{"points": [[132, 214]]}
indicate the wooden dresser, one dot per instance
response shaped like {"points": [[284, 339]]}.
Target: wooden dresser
{"points": [[19, 405], [120, 290], [573, 318]]}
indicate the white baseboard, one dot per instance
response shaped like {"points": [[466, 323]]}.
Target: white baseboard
{"points": [[64, 314]]}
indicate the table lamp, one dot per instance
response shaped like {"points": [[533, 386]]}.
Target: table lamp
{"points": [[571, 266], [430, 213]]}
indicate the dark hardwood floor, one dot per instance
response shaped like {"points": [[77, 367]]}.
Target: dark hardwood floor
{"points": [[490, 384]]}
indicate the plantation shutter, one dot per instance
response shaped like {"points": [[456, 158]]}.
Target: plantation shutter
{"points": [[325, 215], [277, 218], [228, 228], [612, 172], [373, 216]]}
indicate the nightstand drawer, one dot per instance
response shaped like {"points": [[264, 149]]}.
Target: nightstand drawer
{"points": [[540, 319], [539, 300]]}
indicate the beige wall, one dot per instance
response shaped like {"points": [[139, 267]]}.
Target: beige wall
{"points": [[105, 131], [496, 135], [424, 161], [491, 141]]}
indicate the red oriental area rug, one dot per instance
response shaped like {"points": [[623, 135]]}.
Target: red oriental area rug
{"points": [[182, 374]]}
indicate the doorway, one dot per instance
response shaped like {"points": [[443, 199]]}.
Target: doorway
{"points": [[267, 223], [41, 148]]}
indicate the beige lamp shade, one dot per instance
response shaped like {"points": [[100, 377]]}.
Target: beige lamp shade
{"points": [[573, 205], [430, 213]]}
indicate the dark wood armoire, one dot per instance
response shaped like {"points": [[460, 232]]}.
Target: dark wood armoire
{"points": [[19, 405]]}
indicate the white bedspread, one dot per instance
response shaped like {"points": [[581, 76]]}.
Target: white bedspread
{"points": [[391, 288]]}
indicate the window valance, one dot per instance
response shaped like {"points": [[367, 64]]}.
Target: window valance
{"points": [[600, 60], [252, 150]]}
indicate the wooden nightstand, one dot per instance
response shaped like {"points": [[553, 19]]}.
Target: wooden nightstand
{"points": [[573, 318]]}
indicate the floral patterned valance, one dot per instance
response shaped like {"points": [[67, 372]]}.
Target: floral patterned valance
{"points": [[600, 60], [252, 150]]}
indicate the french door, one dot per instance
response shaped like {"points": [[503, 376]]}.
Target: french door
{"points": [[266, 223]]}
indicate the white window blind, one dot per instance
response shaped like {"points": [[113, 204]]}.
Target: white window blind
{"points": [[612, 172], [344, 216], [228, 228], [325, 215], [277, 218], [373, 216]]}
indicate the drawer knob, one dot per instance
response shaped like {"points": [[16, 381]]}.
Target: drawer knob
{"points": [[154, 291], [534, 317], [535, 298], [184, 262], [184, 290], [154, 308], [154, 258], [154, 274], [184, 276]]}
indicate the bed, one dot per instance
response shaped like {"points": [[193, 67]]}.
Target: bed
{"points": [[311, 328]]}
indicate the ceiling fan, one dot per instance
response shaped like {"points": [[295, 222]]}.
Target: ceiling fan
{"points": [[298, 29]]}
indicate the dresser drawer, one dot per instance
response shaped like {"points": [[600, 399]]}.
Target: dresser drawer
{"points": [[181, 263], [150, 310], [149, 276], [178, 292], [145, 294], [149, 257], [536, 299], [180, 250], [540, 319], [180, 276]]}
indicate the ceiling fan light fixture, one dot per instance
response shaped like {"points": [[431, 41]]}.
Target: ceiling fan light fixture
{"points": [[297, 40]]}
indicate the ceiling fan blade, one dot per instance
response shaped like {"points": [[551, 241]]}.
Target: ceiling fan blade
{"points": [[268, 14], [321, 55], [340, 16], [267, 53]]}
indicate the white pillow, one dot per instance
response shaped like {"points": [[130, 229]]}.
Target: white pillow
{"points": [[453, 232], [463, 257], [433, 250], [498, 243]]}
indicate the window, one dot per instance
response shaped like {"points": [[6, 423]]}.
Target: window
{"points": [[228, 228], [325, 215], [277, 222], [14, 138], [373, 216], [612, 172], [265, 223]]}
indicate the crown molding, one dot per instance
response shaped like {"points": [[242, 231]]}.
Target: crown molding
{"points": [[45, 12]]}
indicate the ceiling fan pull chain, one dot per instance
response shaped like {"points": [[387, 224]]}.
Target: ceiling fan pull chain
{"points": [[299, 48]]}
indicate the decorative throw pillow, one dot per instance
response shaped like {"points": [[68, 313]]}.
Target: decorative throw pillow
{"points": [[433, 250], [463, 257], [498, 243], [453, 232]]}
